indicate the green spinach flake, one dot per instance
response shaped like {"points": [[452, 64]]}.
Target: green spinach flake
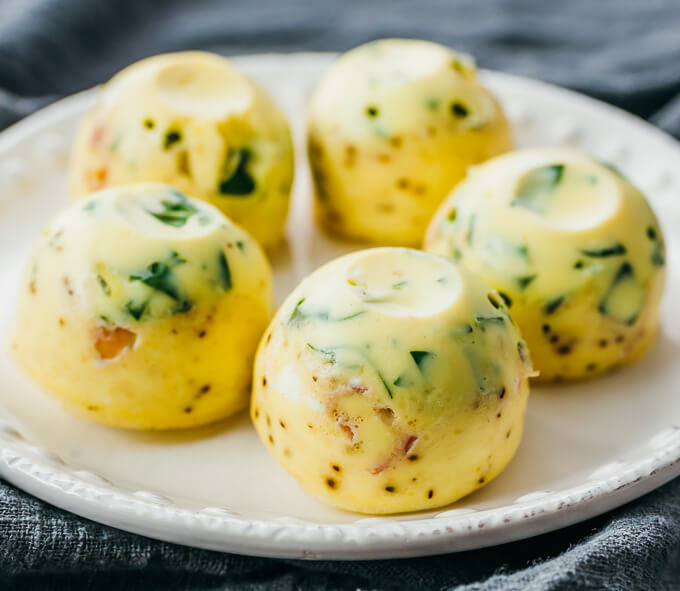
{"points": [[420, 358], [239, 181], [225, 272], [552, 305], [525, 281], [605, 251], [175, 213], [537, 186]]}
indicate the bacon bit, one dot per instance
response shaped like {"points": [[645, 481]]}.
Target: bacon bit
{"points": [[96, 179], [409, 442], [385, 414], [358, 388], [97, 136], [398, 454], [110, 343]]}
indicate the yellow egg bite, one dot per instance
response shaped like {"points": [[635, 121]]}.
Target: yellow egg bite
{"points": [[391, 380], [393, 126], [142, 308], [192, 120], [573, 248]]}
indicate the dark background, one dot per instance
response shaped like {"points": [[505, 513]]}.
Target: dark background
{"points": [[626, 52]]}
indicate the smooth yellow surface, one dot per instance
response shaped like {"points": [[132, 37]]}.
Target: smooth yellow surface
{"points": [[194, 121], [194, 290], [393, 126], [574, 247], [390, 380]]}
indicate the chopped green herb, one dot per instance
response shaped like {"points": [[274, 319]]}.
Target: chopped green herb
{"points": [[651, 233], [463, 329], [298, 316], [241, 245], [525, 281], [171, 138], [237, 180], [552, 305], [400, 285], [452, 215], [625, 297], [457, 254], [493, 300], [432, 104], [384, 382], [175, 213], [149, 123], [484, 320], [104, 318], [459, 110], [421, 357], [372, 111], [329, 354], [578, 264], [403, 381], [159, 277], [537, 186], [506, 298], [90, 205], [605, 251], [658, 258], [136, 309], [104, 285], [225, 273]]}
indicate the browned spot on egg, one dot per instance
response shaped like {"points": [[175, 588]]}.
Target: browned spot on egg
{"points": [[264, 380], [384, 158], [603, 343], [390, 489], [481, 480], [330, 483], [271, 440], [287, 452], [413, 457], [591, 367], [201, 334], [31, 286], [111, 342], [188, 409], [409, 442], [283, 425], [256, 413], [315, 378], [430, 494], [269, 338], [67, 285], [92, 408], [620, 338], [402, 183], [335, 467], [564, 350], [396, 141], [502, 392], [62, 322], [203, 390]]}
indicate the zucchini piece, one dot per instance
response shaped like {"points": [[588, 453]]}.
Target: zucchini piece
{"points": [[537, 186], [625, 297]]}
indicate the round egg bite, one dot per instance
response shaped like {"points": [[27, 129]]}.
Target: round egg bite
{"points": [[194, 121], [142, 308], [393, 126], [573, 248], [391, 380]]}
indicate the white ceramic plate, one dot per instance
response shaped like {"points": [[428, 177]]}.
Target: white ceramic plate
{"points": [[588, 447]]}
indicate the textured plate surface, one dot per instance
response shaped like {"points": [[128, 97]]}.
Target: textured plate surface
{"points": [[588, 447]]}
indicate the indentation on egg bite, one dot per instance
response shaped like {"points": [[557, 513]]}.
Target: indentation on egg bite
{"points": [[110, 343]]}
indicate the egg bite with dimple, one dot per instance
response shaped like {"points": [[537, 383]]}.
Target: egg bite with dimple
{"points": [[391, 380], [142, 308], [194, 121], [393, 126], [573, 248]]}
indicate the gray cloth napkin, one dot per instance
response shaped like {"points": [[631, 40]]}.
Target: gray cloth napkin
{"points": [[626, 52]]}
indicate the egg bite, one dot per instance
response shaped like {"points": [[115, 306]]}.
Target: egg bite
{"points": [[571, 245], [142, 308], [393, 126], [194, 121], [391, 380]]}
